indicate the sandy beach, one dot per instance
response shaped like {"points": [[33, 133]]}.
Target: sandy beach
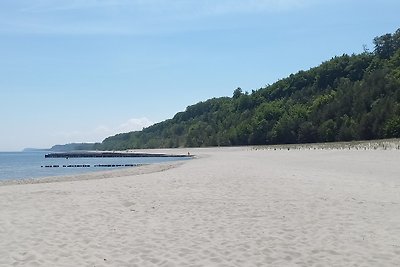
{"points": [[227, 207]]}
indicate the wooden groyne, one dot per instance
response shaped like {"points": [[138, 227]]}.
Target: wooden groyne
{"points": [[89, 166], [111, 155]]}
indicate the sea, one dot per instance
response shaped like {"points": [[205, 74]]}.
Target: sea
{"points": [[33, 164]]}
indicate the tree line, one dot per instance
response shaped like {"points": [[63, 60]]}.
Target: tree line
{"points": [[350, 97]]}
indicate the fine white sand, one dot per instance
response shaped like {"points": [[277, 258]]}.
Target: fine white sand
{"points": [[228, 207]]}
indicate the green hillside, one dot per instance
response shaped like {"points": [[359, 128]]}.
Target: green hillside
{"points": [[350, 97], [72, 147]]}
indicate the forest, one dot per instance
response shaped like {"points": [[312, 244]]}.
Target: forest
{"points": [[349, 97]]}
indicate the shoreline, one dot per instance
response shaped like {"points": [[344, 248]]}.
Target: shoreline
{"points": [[366, 145], [104, 174]]}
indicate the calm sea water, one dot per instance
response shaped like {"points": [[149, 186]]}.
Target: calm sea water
{"points": [[23, 165]]}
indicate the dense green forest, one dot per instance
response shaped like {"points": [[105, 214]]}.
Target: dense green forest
{"points": [[72, 147], [350, 97]]}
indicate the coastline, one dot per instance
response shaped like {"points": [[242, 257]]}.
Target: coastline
{"points": [[230, 207], [131, 171], [139, 168]]}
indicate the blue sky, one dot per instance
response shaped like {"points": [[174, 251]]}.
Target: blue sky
{"points": [[79, 71]]}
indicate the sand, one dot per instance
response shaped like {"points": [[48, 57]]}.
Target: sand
{"points": [[228, 207]]}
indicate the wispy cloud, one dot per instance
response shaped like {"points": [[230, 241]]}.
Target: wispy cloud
{"points": [[71, 5], [179, 6], [256, 6], [102, 131], [134, 124], [125, 16]]}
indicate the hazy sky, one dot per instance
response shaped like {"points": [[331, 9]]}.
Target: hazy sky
{"points": [[82, 70]]}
